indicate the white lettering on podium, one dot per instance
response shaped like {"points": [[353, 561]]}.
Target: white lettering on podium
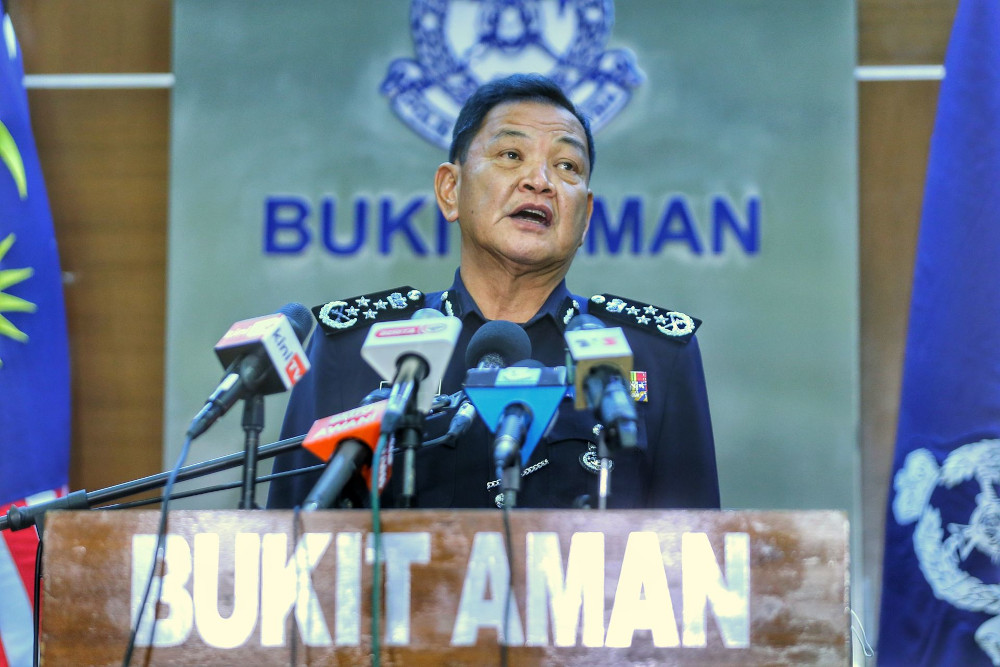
{"points": [[235, 630], [347, 619], [564, 606], [703, 584], [399, 551], [488, 572], [284, 583], [642, 600], [174, 628], [549, 591]]}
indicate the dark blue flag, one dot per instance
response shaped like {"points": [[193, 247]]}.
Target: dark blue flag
{"points": [[34, 357], [941, 574]]}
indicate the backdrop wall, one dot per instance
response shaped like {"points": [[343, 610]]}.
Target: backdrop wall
{"points": [[726, 179]]}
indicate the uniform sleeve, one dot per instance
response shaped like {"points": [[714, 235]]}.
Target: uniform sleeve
{"points": [[682, 446]]}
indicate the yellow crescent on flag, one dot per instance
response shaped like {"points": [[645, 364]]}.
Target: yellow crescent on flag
{"points": [[11, 156]]}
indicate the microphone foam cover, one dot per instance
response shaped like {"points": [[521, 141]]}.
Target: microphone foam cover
{"points": [[299, 317], [501, 338]]}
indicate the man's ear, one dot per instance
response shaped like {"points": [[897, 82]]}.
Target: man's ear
{"points": [[446, 187], [590, 211]]}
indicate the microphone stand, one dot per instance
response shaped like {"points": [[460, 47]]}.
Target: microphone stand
{"points": [[604, 475], [507, 452], [408, 440], [18, 518], [253, 424]]}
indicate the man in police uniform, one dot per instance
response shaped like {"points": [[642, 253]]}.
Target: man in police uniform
{"points": [[517, 184]]}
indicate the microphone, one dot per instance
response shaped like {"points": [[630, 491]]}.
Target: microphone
{"points": [[507, 398], [262, 355], [496, 345], [347, 440], [602, 356], [414, 354], [521, 402]]}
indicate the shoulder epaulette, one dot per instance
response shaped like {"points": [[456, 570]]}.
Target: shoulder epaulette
{"points": [[673, 324], [360, 312]]}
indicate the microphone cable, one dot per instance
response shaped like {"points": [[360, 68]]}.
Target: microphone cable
{"points": [[158, 554], [383, 442]]}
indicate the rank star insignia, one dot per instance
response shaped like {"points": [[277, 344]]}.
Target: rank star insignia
{"points": [[653, 319], [360, 311]]}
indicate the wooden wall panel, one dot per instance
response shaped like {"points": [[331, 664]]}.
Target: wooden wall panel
{"points": [[93, 36], [894, 141], [104, 154], [903, 32]]}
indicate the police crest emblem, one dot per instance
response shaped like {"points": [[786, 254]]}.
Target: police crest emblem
{"points": [[460, 45], [951, 553]]}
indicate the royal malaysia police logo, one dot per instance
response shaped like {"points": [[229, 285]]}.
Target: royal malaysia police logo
{"points": [[948, 551], [460, 45]]}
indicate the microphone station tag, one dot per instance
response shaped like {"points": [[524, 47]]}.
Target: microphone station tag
{"points": [[275, 334]]}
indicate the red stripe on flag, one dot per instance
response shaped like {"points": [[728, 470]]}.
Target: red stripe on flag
{"points": [[23, 544]]}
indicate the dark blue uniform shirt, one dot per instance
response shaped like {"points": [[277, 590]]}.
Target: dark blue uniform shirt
{"points": [[672, 467]]}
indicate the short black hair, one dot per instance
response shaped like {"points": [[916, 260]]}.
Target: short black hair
{"points": [[514, 88]]}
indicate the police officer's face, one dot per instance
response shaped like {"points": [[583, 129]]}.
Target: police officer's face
{"points": [[521, 196]]}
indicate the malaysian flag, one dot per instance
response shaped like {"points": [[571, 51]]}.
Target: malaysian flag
{"points": [[34, 355]]}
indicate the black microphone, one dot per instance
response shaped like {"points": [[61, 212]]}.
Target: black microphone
{"points": [[497, 344], [262, 355], [494, 345], [515, 420], [603, 356]]}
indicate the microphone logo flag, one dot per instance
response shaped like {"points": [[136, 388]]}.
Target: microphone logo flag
{"points": [[492, 390], [275, 334], [363, 423]]}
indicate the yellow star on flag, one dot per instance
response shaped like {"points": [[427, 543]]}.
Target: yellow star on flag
{"points": [[8, 302]]}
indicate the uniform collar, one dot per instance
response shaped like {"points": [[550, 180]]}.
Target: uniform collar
{"points": [[560, 306]]}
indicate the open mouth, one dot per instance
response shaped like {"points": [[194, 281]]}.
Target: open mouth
{"points": [[540, 215]]}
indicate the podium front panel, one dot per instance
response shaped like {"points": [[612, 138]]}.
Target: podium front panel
{"points": [[587, 587]]}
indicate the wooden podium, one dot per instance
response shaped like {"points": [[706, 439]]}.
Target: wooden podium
{"points": [[589, 588]]}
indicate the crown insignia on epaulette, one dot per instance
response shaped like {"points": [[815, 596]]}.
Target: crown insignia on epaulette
{"points": [[670, 323], [362, 311]]}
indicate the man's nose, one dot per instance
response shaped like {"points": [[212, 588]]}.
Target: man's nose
{"points": [[536, 178]]}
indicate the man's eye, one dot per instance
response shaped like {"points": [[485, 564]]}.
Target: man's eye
{"points": [[512, 155], [569, 166]]}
